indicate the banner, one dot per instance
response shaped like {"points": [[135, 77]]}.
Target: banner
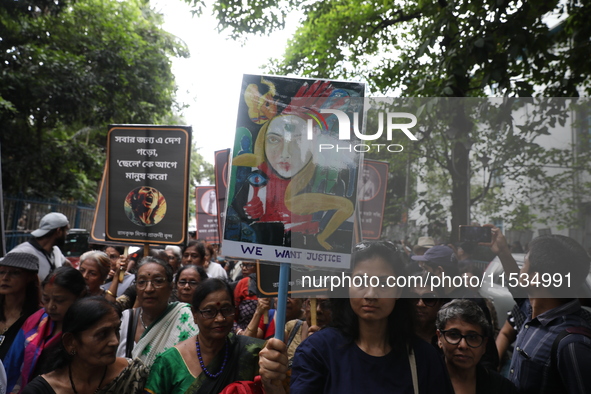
{"points": [[221, 163], [206, 215], [371, 193], [289, 202], [147, 183]]}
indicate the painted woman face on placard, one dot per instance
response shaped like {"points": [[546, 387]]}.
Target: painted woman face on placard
{"points": [[286, 146]]}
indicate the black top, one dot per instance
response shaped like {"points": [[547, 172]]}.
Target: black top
{"points": [[490, 382], [38, 386], [10, 334]]}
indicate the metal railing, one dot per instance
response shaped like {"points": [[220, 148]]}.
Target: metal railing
{"points": [[22, 215]]}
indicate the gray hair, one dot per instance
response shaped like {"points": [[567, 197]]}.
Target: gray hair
{"points": [[102, 260], [160, 262], [462, 309], [176, 250]]}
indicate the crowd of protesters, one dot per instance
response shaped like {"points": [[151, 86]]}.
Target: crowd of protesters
{"points": [[183, 320]]}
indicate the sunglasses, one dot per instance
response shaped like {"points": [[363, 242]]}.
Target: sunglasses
{"points": [[429, 300]]}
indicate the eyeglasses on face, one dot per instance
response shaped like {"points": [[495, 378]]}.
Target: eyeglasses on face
{"points": [[158, 283], [429, 300], [454, 337], [191, 283], [211, 313]]}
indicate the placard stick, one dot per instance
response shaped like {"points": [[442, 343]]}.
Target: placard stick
{"points": [[313, 310], [282, 301], [122, 272]]}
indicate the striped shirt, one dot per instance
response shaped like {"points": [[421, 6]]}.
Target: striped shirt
{"points": [[530, 366]]}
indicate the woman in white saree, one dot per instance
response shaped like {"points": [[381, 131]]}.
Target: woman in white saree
{"points": [[156, 325]]}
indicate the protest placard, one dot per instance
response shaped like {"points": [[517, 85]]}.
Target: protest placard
{"points": [[206, 214], [371, 193], [289, 202], [147, 183]]}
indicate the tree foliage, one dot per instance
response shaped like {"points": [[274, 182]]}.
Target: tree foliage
{"points": [[444, 48], [68, 69]]}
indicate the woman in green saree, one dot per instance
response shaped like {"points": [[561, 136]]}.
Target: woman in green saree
{"points": [[214, 358]]}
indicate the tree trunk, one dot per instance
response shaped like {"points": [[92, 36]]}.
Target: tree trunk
{"points": [[460, 197]]}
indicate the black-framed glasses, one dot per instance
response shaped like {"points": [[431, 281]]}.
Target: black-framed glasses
{"points": [[249, 265], [191, 283], [429, 300], [158, 283], [211, 313], [454, 337]]}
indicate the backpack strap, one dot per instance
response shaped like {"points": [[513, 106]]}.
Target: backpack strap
{"points": [[580, 330]]}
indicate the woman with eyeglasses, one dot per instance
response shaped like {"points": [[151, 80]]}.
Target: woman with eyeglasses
{"points": [[462, 334], [212, 359], [19, 295], [155, 325], [370, 347], [186, 281]]}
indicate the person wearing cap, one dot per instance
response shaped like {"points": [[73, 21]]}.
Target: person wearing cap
{"points": [[46, 241], [19, 295], [424, 244], [439, 261]]}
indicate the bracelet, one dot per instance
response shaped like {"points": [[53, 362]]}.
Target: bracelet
{"points": [[109, 292]]}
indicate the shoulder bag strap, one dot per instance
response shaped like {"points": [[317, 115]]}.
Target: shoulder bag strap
{"points": [[294, 331], [413, 371], [131, 328]]}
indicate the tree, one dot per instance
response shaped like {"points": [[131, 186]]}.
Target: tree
{"points": [[446, 48], [70, 68]]}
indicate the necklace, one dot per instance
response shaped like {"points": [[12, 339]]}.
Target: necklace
{"points": [[72, 380], [211, 375], [142, 319]]}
